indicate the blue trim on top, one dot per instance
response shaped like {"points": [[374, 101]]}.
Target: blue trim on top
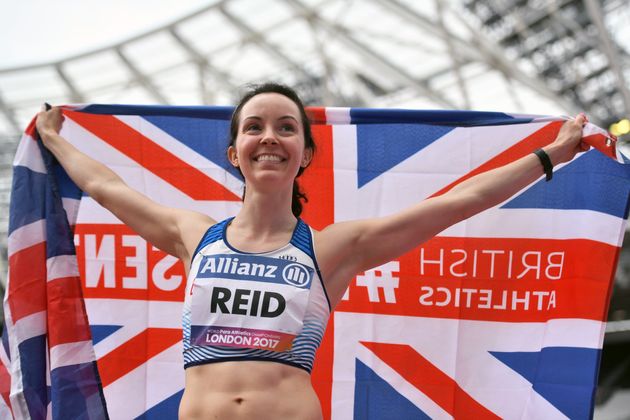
{"points": [[303, 240], [432, 117], [227, 243], [213, 234], [248, 359], [209, 112]]}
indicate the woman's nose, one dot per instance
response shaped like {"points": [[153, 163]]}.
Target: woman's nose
{"points": [[268, 137]]}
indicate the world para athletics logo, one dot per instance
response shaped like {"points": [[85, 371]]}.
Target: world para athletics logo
{"points": [[296, 275]]}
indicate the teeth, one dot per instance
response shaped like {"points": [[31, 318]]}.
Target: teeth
{"points": [[273, 158]]}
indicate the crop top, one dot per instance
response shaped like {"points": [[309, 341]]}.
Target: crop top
{"points": [[268, 306]]}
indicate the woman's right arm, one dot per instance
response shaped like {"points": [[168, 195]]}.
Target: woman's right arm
{"points": [[174, 231]]}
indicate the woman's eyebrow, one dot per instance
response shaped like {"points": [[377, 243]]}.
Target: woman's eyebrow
{"points": [[288, 116], [284, 117]]}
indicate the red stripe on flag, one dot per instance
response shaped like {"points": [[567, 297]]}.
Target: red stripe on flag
{"points": [[136, 352], [430, 380], [530, 143], [30, 129], [316, 115], [5, 385], [603, 144], [151, 156], [318, 182], [67, 319], [27, 288]]}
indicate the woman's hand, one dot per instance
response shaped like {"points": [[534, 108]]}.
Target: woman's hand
{"points": [[49, 122], [568, 142]]}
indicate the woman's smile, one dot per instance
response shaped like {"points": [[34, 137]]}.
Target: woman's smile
{"points": [[269, 157]]}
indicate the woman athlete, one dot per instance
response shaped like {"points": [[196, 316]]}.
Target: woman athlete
{"points": [[269, 324]]}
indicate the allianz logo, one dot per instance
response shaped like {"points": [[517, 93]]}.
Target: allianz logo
{"points": [[231, 265], [294, 274]]}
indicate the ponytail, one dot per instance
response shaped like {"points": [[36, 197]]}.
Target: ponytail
{"points": [[296, 199]]}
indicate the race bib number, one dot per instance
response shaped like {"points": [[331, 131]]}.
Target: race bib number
{"points": [[249, 301]]}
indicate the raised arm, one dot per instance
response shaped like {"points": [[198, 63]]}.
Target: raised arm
{"points": [[345, 249], [175, 231]]}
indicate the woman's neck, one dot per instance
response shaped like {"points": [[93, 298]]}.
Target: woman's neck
{"points": [[266, 213]]}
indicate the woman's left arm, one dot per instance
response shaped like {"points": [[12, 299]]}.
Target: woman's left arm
{"points": [[347, 248]]}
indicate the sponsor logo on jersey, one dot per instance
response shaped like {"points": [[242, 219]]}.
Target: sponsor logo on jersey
{"points": [[255, 268], [296, 275]]}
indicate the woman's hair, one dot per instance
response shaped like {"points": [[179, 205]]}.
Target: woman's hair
{"points": [[309, 143]]}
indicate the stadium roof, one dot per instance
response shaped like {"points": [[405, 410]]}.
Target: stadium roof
{"points": [[430, 54]]}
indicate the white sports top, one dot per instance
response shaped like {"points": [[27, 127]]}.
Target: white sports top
{"points": [[254, 306]]}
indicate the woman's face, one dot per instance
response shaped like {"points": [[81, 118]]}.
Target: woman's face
{"points": [[269, 145]]}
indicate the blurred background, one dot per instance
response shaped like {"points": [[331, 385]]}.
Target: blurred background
{"points": [[555, 57]]}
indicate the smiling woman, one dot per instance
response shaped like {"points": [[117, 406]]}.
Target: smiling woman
{"points": [[261, 285], [294, 123]]}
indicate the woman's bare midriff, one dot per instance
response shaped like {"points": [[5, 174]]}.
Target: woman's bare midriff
{"points": [[248, 390]]}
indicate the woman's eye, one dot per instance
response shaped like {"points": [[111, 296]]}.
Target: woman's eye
{"points": [[252, 127], [288, 128]]}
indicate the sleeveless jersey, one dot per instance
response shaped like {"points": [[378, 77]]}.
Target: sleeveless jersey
{"points": [[254, 306]]}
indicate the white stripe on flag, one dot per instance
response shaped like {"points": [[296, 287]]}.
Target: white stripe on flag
{"points": [[27, 236], [29, 327], [90, 212], [71, 206], [28, 155], [541, 224], [61, 266], [5, 412], [337, 115], [71, 354]]}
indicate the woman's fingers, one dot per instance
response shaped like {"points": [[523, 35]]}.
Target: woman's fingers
{"points": [[49, 118], [582, 120]]}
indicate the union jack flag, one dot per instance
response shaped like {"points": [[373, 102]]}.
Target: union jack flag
{"points": [[500, 316]]}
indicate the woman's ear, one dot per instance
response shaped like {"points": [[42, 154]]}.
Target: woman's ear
{"points": [[232, 157], [307, 157]]}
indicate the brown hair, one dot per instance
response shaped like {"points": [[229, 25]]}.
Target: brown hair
{"points": [[309, 143]]}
